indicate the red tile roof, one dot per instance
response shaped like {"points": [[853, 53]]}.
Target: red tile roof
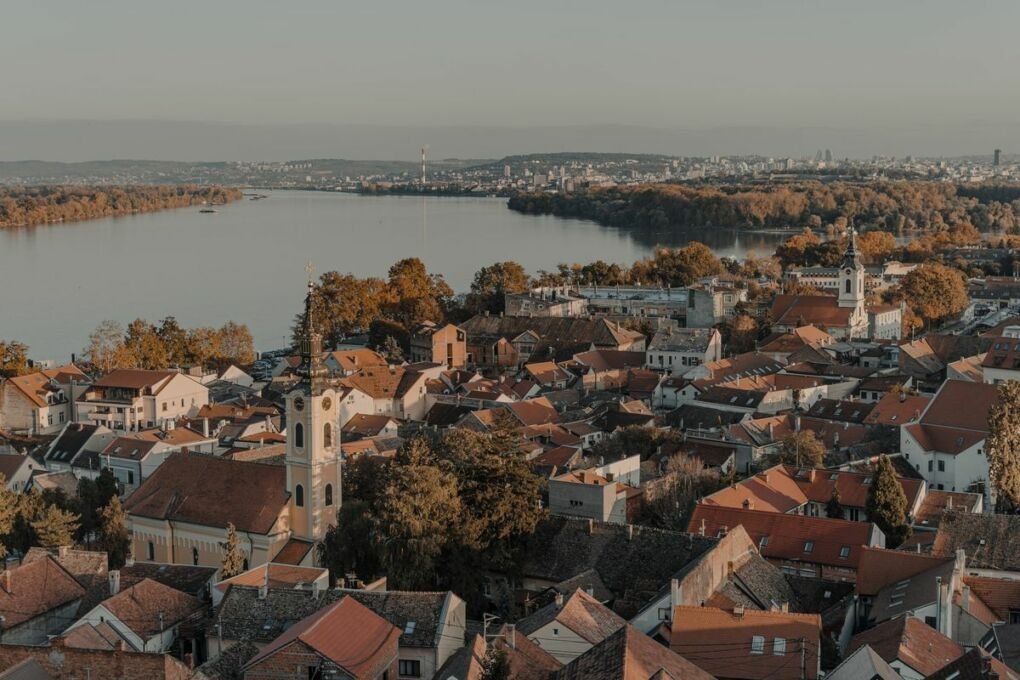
{"points": [[912, 642], [897, 409], [814, 540], [346, 633], [879, 567], [720, 642], [148, 606], [209, 491], [36, 386], [35, 588], [1001, 595], [804, 310]]}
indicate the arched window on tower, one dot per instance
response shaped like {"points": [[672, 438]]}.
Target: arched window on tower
{"points": [[327, 435], [299, 435], [299, 496], [848, 285], [329, 494]]}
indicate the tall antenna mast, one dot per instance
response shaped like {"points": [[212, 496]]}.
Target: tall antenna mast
{"points": [[423, 177]]}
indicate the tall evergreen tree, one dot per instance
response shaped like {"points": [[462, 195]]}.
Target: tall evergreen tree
{"points": [[233, 560], [887, 504], [1004, 446], [113, 533]]}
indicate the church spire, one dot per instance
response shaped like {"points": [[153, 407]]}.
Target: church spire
{"points": [[850, 258], [311, 369]]}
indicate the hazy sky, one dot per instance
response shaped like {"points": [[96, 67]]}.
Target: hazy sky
{"points": [[863, 64]]}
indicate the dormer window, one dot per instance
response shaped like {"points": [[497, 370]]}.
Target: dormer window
{"points": [[809, 546]]}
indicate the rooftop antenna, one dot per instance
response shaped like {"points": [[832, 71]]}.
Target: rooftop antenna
{"points": [[424, 177]]}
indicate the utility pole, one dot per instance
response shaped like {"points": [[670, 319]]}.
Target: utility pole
{"points": [[803, 659]]}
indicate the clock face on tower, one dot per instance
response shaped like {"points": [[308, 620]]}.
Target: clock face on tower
{"points": [[299, 404], [327, 403]]}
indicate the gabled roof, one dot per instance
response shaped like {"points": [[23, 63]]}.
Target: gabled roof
{"points": [[843, 411], [37, 386], [863, 663], [35, 588], [880, 567], [581, 613], [209, 491], [135, 379], [804, 310], [346, 633], [148, 606], [629, 654], [535, 411], [896, 409], [910, 641], [610, 359], [366, 424], [910, 593], [720, 642], [961, 404], [816, 540]]}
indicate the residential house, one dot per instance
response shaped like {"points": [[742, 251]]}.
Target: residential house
{"points": [[61, 661], [350, 361], [446, 345], [864, 662], [548, 375], [947, 445], [630, 654], [133, 399], [16, 470], [608, 493], [363, 425], [812, 547], [395, 391], [988, 540], [148, 615], [134, 456], [344, 639], [912, 648], [570, 626], [277, 576], [1002, 361], [744, 644], [431, 625], [37, 599], [677, 350], [606, 369], [40, 402], [781, 345]]}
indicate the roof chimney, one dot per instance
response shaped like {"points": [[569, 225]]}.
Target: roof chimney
{"points": [[559, 600], [630, 532], [591, 526], [114, 579], [263, 591], [675, 593], [748, 504]]}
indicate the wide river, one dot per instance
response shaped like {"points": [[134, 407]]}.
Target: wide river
{"points": [[247, 261]]}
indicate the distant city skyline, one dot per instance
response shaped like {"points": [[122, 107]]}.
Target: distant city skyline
{"points": [[925, 78]]}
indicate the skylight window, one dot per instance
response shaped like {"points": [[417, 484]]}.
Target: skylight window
{"points": [[844, 552], [409, 627], [809, 546]]}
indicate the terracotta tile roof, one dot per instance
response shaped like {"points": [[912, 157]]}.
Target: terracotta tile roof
{"points": [[134, 378], [34, 588], [936, 503], [772, 490], [721, 642], [36, 386], [346, 633], [293, 551], [970, 367], [879, 568], [534, 411], [366, 424], [187, 578], [1000, 595], [89, 636], [210, 491], [558, 457], [742, 365], [148, 606], [961, 404], [912, 642], [381, 382], [815, 540], [581, 613], [897, 409], [263, 454], [629, 654], [550, 433], [804, 310], [547, 372], [257, 437], [273, 575], [357, 359]]}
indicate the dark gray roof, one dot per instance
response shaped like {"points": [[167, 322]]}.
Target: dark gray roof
{"points": [[1007, 642], [634, 569], [29, 669], [731, 396], [230, 664], [183, 577], [70, 442], [989, 540], [758, 584], [702, 417], [864, 663], [843, 411], [588, 580], [445, 415], [247, 617]]}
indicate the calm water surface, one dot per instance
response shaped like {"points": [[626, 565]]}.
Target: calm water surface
{"points": [[246, 262]]}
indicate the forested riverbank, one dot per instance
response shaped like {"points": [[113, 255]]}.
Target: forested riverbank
{"points": [[28, 206], [889, 206]]}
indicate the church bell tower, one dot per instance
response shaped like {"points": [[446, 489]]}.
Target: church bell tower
{"points": [[851, 276], [313, 439]]}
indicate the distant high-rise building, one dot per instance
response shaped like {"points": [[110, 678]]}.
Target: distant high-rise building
{"points": [[818, 156], [828, 155], [998, 154], [506, 171]]}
